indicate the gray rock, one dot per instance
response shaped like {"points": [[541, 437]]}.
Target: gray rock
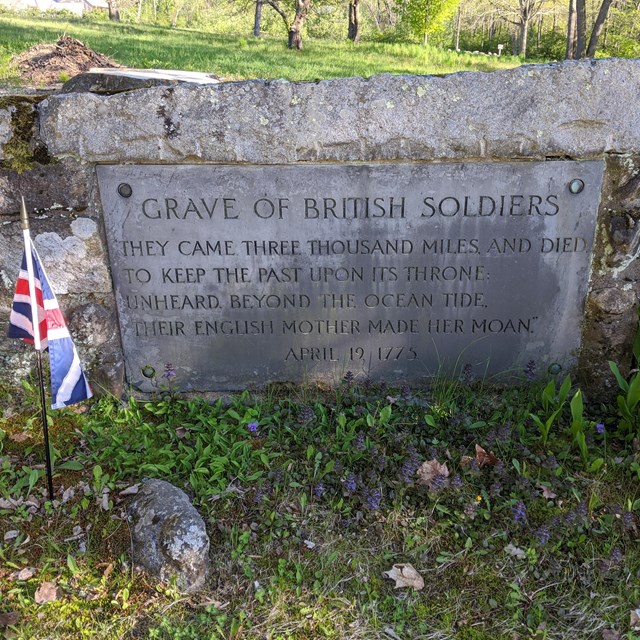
{"points": [[615, 300], [169, 536], [6, 130], [122, 79], [576, 109]]}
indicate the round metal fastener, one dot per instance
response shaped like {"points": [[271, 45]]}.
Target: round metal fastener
{"points": [[576, 186], [125, 190]]}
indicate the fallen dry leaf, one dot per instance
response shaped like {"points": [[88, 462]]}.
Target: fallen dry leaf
{"points": [[634, 622], [11, 535], [610, 634], [547, 493], [47, 592], [516, 552], [485, 459], [23, 574], [405, 576], [430, 470], [19, 437], [9, 618]]}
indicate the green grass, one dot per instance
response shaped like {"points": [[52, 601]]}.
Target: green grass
{"points": [[235, 57], [291, 561]]}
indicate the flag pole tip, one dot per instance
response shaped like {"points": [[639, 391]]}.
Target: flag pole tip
{"points": [[24, 216]]}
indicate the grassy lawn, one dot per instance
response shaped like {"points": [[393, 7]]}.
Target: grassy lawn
{"points": [[309, 495], [232, 56]]}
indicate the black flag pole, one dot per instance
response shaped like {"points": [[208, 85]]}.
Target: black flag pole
{"points": [[24, 223]]}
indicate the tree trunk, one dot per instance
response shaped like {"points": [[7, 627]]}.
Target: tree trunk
{"points": [[354, 21], [539, 37], [279, 10], [257, 19], [139, 10], [581, 29], [295, 30], [597, 28], [174, 20], [114, 12], [571, 32], [524, 36], [457, 38]]}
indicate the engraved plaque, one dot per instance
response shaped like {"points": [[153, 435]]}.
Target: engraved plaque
{"points": [[240, 275]]}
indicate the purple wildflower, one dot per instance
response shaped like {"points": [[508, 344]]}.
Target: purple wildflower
{"points": [[319, 490], [466, 375], [471, 509], [381, 461], [350, 483], [504, 432], [262, 491], [306, 414], [519, 510], [600, 428], [495, 489], [543, 534], [410, 466], [456, 482], [348, 377], [438, 483], [253, 427], [530, 370], [628, 521], [359, 443], [616, 556], [372, 499], [169, 371]]}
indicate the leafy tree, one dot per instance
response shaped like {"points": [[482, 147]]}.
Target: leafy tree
{"points": [[521, 14], [425, 17], [577, 29], [295, 26]]}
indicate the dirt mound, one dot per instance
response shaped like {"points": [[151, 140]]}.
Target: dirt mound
{"points": [[46, 64]]}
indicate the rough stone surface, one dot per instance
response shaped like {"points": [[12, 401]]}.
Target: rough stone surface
{"points": [[611, 318], [580, 110], [6, 131], [577, 110], [48, 189], [118, 80], [169, 536], [73, 254]]}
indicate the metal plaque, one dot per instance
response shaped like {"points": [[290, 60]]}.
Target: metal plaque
{"points": [[240, 275]]}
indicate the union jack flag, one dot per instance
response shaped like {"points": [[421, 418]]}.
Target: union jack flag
{"points": [[68, 382]]}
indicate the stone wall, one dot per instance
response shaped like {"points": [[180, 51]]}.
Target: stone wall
{"points": [[50, 146]]}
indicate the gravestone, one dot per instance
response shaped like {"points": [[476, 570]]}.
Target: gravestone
{"points": [[242, 274]]}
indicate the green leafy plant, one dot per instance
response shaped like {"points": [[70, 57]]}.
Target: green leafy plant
{"points": [[629, 400], [552, 404]]}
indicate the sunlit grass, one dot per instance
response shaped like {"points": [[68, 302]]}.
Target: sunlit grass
{"points": [[236, 57]]}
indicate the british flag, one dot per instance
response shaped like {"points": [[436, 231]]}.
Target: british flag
{"points": [[68, 382]]}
